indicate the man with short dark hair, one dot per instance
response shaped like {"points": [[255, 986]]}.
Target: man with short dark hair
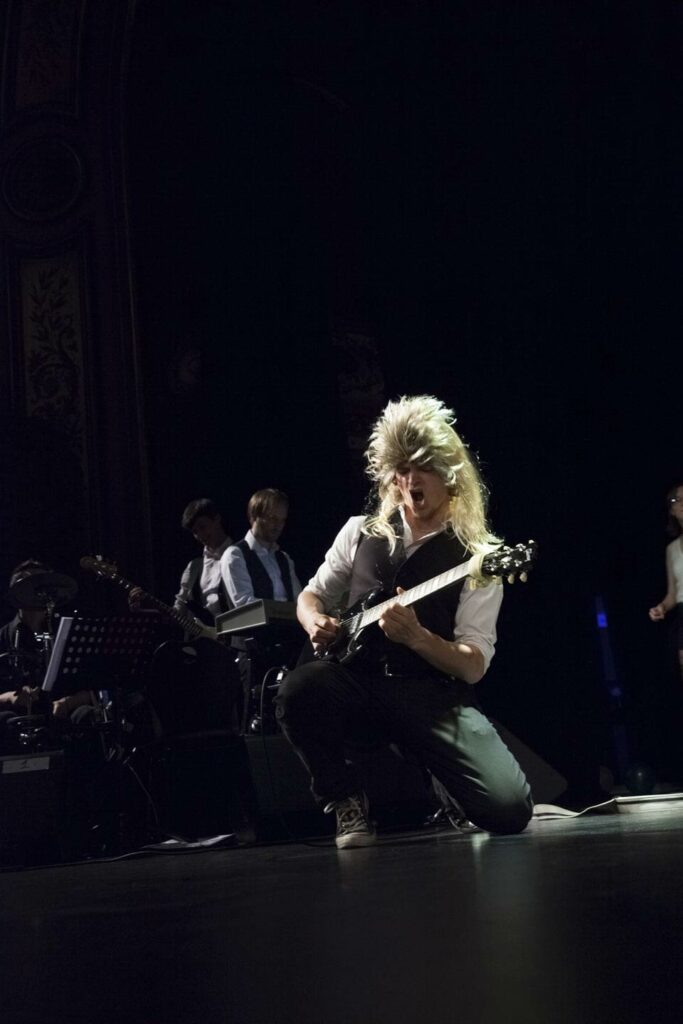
{"points": [[202, 591]]}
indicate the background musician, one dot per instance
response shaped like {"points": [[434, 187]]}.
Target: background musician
{"points": [[257, 568], [193, 682], [202, 590], [23, 658]]}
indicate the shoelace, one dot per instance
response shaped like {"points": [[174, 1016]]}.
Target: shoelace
{"points": [[352, 816]]}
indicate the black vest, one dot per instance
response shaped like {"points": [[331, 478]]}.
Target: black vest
{"points": [[196, 602], [260, 580], [373, 566]]}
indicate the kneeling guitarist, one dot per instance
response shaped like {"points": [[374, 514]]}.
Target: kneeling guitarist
{"points": [[409, 678]]}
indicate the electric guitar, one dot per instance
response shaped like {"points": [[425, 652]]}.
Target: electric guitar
{"points": [[189, 623], [355, 634]]}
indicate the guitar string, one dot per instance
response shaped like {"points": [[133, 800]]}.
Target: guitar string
{"points": [[370, 615]]}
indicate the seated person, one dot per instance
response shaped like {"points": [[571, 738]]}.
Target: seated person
{"points": [[23, 664]]}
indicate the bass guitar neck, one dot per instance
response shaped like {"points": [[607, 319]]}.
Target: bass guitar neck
{"points": [[187, 622]]}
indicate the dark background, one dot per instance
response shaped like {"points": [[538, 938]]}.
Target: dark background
{"points": [[491, 192]]}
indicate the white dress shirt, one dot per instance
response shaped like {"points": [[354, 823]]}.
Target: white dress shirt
{"points": [[674, 557], [210, 582], [238, 581], [477, 612]]}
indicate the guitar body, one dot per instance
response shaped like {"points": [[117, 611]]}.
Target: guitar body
{"points": [[204, 632], [353, 643], [203, 618]]}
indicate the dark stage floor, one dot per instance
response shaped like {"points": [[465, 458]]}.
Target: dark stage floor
{"points": [[574, 921]]}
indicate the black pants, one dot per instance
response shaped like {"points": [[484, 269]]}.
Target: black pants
{"points": [[322, 705]]}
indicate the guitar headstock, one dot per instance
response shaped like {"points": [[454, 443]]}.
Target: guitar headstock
{"points": [[97, 565], [510, 563]]}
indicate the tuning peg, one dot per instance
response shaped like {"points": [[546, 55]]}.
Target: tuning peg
{"points": [[524, 576], [511, 578]]}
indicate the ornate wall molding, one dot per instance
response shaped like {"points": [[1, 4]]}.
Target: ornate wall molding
{"points": [[53, 346], [42, 62], [42, 179], [68, 339]]}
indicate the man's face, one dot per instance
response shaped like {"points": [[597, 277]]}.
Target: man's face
{"points": [[208, 531], [423, 492], [268, 527]]}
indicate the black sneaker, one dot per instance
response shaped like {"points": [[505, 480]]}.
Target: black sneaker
{"points": [[451, 809], [354, 827], [458, 819]]}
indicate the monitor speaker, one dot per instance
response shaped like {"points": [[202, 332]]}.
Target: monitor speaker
{"points": [[546, 783]]}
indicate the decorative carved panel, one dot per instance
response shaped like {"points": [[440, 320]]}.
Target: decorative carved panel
{"points": [[54, 377], [46, 66]]}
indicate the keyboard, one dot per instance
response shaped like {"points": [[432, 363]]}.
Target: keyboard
{"points": [[262, 617]]}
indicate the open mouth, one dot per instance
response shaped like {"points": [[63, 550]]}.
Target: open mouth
{"points": [[416, 495]]}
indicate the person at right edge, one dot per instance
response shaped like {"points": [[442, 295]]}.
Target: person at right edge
{"points": [[419, 693], [673, 599]]}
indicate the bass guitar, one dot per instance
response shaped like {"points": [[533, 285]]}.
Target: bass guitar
{"points": [[356, 633], [109, 571]]}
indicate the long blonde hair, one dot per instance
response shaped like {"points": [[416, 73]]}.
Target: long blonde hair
{"points": [[420, 430]]}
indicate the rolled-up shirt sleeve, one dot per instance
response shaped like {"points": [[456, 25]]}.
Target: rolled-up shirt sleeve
{"points": [[182, 598], [331, 582], [476, 616]]}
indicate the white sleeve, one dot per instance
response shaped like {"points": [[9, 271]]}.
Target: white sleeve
{"points": [[296, 585], [332, 580], [475, 618], [183, 596], [235, 576]]}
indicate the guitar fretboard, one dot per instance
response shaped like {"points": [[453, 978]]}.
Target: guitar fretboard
{"points": [[106, 571], [187, 623], [444, 579]]}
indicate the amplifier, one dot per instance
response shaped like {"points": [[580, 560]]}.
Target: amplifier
{"points": [[32, 806]]}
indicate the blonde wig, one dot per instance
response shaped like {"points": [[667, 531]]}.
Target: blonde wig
{"points": [[420, 430]]}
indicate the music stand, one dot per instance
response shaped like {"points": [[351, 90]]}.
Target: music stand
{"points": [[105, 654], [101, 653]]}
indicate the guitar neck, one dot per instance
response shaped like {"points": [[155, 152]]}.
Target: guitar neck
{"points": [[185, 621], [408, 597]]}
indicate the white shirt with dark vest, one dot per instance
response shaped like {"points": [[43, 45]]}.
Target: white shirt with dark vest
{"points": [[201, 583], [477, 611], [238, 581]]}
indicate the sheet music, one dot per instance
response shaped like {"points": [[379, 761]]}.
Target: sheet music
{"points": [[57, 651]]}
